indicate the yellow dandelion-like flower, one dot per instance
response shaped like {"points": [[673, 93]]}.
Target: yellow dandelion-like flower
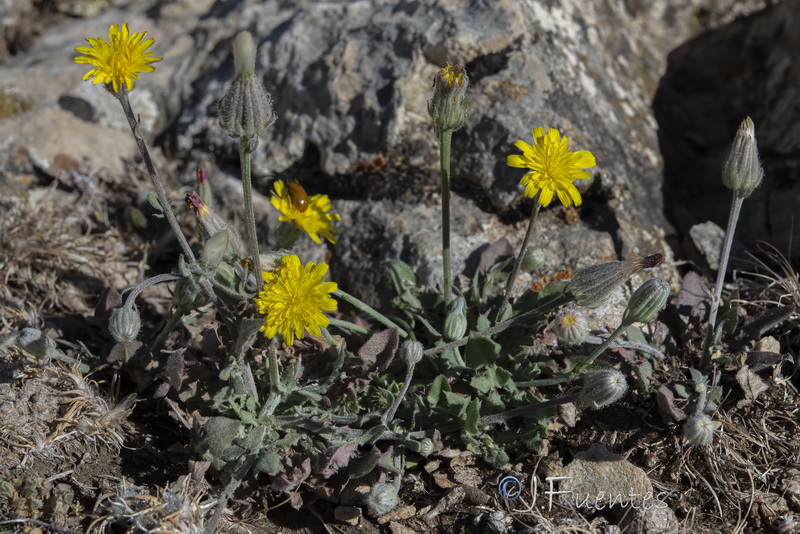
{"points": [[293, 298], [554, 167], [119, 60], [309, 213]]}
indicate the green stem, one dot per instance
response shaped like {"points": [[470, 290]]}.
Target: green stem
{"points": [[403, 391], [371, 311], [275, 388], [347, 325], [151, 170], [445, 137], [247, 190], [173, 320], [733, 217], [513, 277], [499, 327]]}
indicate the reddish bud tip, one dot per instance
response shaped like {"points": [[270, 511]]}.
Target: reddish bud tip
{"points": [[653, 260], [202, 176], [194, 202]]}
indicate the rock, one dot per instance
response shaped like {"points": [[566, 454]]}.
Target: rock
{"points": [[599, 479], [347, 514], [747, 67], [702, 246], [350, 81]]}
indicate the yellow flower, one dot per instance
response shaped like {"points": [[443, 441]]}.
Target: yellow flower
{"points": [[119, 60], [293, 298], [553, 166], [312, 216]]}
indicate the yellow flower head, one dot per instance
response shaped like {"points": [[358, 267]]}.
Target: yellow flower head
{"points": [[119, 60], [553, 167], [311, 215], [293, 298]]}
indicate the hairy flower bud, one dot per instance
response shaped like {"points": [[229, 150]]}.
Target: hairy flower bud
{"points": [[204, 187], [411, 352], [603, 388], [742, 171], [448, 105], [699, 430], [381, 499], [593, 285], [571, 327], [246, 109], [649, 299], [455, 324], [210, 224], [532, 259], [124, 323]]}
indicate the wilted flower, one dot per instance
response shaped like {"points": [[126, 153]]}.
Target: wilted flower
{"points": [[553, 167], [118, 61]]}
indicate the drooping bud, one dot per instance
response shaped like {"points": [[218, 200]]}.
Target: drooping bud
{"points": [[287, 234], [649, 299], [455, 324], [742, 171], [571, 327], [411, 352], [246, 109], [125, 323], [448, 105], [381, 499], [603, 388], [532, 259], [593, 285], [699, 430]]}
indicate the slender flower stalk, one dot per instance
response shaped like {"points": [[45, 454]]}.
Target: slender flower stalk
{"points": [[375, 314], [448, 109], [742, 173], [518, 261], [245, 112]]}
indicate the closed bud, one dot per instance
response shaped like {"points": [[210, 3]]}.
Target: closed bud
{"points": [[411, 352], [39, 344], [287, 234], [204, 187], [571, 327], [602, 388], [742, 171], [124, 323], [448, 105], [699, 430], [210, 224], [246, 108], [532, 259], [381, 499], [593, 285], [455, 324], [649, 299]]}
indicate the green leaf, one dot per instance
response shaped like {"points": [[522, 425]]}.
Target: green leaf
{"points": [[483, 383], [153, 200], [403, 277], [483, 322], [473, 414], [480, 351], [245, 336], [456, 401], [438, 385], [682, 391]]}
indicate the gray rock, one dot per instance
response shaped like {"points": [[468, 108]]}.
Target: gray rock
{"points": [[702, 245], [351, 81]]}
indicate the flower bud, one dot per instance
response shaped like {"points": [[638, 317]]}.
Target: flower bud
{"points": [[246, 109], [742, 171], [124, 323], [455, 324], [287, 234], [603, 388], [204, 187], [593, 285], [699, 430], [244, 55], [39, 344], [532, 259], [381, 499], [649, 299], [210, 224], [571, 327], [411, 352], [448, 106]]}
